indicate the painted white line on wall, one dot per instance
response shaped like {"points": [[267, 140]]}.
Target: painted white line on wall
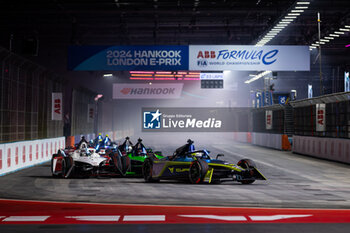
{"points": [[26, 219], [217, 217], [113, 218], [277, 217], [144, 218]]}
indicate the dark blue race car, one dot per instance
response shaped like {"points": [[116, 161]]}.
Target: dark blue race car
{"points": [[197, 166]]}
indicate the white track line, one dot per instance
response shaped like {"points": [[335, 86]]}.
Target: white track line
{"points": [[144, 218], [26, 219]]}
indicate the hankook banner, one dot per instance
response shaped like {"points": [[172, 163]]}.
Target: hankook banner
{"points": [[147, 91], [238, 57], [192, 57], [194, 119]]}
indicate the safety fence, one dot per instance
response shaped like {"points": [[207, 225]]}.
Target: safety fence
{"points": [[18, 155], [326, 116], [25, 100]]}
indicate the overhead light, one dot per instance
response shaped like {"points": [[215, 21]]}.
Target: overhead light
{"points": [[107, 75], [329, 38], [260, 75], [97, 97], [344, 29], [347, 26], [313, 47], [324, 40], [303, 3], [340, 33], [314, 44], [284, 22], [335, 35]]}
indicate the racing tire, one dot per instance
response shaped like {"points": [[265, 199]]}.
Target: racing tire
{"points": [[117, 161], [248, 165], [197, 171], [147, 170], [66, 165], [53, 175], [126, 162]]}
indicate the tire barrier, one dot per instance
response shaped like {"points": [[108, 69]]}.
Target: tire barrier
{"points": [[334, 149], [18, 155]]}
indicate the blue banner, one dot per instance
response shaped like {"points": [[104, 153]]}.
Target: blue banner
{"points": [[128, 57]]}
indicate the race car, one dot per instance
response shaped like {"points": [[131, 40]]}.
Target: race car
{"points": [[84, 161], [196, 166], [137, 154]]}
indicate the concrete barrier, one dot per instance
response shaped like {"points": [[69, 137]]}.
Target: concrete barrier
{"points": [[267, 140], [244, 137], [335, 149], [18, 155]]}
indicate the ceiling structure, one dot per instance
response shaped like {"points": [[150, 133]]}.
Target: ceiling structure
{"points": [[133, 22]]}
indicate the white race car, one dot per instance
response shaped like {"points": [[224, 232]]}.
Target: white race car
{"points": [[85, 161]]}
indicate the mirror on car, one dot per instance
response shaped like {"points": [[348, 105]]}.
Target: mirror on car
{"points": [[219, 155]]}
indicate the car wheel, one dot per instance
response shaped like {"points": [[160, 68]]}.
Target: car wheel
{"points": [[197, 171], [64, 168], [248, 165], [147, 170], [52, 168], [66, 165], [126, 164]]}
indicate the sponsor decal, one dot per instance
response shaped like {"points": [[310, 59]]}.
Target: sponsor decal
{"points": [[56, 112], [229, 57], [194, 119], [268, 119], [147, 91], [321, 117]]}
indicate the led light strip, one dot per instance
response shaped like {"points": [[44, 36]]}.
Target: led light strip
{"points": [[331, 36], [260, 75], [295, 11]]}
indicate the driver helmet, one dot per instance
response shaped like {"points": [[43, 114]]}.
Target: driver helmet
{"points": [[129, 148]]}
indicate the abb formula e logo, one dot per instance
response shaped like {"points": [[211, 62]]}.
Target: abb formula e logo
{"points": [[267, 57], [152, 120]]}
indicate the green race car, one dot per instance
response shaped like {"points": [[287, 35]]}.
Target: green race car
{"points": [[137, 154]]}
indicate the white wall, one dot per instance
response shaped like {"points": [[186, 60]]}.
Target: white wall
{"points": [[18, 155]]}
